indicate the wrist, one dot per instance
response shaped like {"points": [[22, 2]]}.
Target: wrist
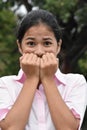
{"points": [[47, 80], [31, 80], [48, 83]]}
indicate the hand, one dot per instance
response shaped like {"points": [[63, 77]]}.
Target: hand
{"points": [[30, 65], [48, 66]]}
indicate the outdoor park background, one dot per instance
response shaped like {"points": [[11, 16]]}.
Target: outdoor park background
{"points": [[72, 16]]}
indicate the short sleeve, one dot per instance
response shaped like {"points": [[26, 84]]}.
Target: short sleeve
{"points": [[4, 100], [77, 98]]}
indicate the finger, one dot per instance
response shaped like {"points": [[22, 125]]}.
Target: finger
{"points": [[57, 59], [38, 61], [45, 59], [26, 58], [50, 57], [35, 58], [41, 62], [53, 57], [21, 57], [53, 60]]}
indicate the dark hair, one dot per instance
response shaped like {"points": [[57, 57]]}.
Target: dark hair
{"points": [[34, 18]]}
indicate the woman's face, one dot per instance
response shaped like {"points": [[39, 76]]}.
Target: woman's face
{"points": [[39, 39]]}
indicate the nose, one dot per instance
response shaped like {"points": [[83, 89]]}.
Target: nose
{"points": [[39, 51]]}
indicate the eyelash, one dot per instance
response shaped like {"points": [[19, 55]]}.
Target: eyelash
{"points": [[31, 43], [47, 43]]}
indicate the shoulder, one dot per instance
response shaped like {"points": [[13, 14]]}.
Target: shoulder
{"points": [[70, 78], [77, 79], [6, 79]]}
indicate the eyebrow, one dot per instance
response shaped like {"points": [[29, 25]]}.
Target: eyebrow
{"points": [[47, 38], [33, 38]]}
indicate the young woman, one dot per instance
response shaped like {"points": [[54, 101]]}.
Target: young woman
{"points": [[41, 97]]}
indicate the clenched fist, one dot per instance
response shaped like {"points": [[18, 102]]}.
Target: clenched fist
{"points": [[30, 64], [48, 66]]}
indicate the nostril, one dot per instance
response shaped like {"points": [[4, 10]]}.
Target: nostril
{"points": [[39, 55], [39, 52]]}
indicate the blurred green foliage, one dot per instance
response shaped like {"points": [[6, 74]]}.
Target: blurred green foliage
{"points": [[82, 63], [8, 48], [72, 16]]}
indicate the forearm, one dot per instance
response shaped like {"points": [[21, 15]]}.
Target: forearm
{"points": [[60, 113], [19, 114]]}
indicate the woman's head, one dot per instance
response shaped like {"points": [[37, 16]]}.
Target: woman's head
{"points": [[36, 17], [39, 33]]}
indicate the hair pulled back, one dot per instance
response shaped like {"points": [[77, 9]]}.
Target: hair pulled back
{"points": [[36, 17]]}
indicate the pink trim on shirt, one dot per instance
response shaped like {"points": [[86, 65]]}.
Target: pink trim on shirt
{"points": [[75, 113], [3, 112], [58, 77]]}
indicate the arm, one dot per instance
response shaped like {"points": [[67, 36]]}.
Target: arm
{"points": [[17, 117], [60, 113]]}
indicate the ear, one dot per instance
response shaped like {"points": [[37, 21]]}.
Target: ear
{"points": [[19, 47], [59, 46]]}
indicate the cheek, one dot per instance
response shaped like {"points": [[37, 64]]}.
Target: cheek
{"points": [[52, 50], [27, 50], [55, 51]]}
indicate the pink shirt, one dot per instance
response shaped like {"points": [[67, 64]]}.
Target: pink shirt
{"points": [[72, 87]]}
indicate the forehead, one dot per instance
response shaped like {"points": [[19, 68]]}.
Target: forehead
{"points": [[39, 30]]}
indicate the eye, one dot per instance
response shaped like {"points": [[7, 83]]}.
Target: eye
{"points": [[31, 43], [47, 43]]}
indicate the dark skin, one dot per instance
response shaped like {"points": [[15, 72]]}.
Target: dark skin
{"points": [[39, 46]]}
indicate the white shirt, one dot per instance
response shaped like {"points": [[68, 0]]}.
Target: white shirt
{"points": [[72, 87]]}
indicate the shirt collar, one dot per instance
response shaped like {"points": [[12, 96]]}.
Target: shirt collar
{"points": [[59, 77], [21, 76]]}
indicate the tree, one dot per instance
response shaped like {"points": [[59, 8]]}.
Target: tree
{"points": [[72, 16], [8, 49]]}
